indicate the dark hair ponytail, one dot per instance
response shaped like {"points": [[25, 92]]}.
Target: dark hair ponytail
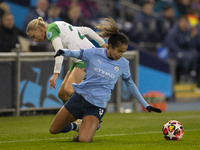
{"points": [[110, 30]]}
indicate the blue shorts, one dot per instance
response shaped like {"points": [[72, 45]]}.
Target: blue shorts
{"points": [[79, 107]]}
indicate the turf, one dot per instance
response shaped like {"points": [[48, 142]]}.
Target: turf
{"points": [[138, 131]]}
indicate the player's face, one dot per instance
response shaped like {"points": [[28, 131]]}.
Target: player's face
{"points": [[38, 35], [117, 52]]}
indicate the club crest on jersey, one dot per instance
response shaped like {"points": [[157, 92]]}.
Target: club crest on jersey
{"points": [[116, 68], [49, 35]]}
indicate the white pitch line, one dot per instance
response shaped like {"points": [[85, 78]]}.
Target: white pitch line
{"points": [[67, 138]]}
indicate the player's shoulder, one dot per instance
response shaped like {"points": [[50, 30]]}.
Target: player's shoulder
{"points": [[52, 31], [124, 60], [62, 23], [56, 24], [124, 63], [96, 50], [51, 25], [99, 50]]}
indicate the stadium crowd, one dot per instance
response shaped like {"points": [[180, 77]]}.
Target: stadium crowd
{"points": [[157, 26]]}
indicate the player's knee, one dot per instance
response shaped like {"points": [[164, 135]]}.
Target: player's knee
{"points": [[84, 139], [52, 130], [62, 95]]}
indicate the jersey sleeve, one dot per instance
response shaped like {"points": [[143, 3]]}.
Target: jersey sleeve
{"points": [[52, 32], [87, 54], [93, 35], [126, 76], [83, 54], [52, 35], [73, 53], [57, 44]]}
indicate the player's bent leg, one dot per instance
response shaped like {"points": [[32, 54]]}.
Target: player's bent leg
{"points": [[88, 128], [61, 120], [76, 76], [66, 89], [61, 93]]}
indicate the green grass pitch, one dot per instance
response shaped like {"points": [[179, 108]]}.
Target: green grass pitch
{"points": [[134, 131]]}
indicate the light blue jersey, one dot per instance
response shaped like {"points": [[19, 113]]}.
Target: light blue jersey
{"points": [[101, 76]]}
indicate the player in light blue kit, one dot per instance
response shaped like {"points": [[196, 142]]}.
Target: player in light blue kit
{"points": [[103, 68]]}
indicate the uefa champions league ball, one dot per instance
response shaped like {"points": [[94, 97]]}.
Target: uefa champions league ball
{"points": [[173, 130]]}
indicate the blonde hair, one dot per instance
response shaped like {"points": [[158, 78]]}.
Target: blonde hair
{"points": [[32, 25], [108, 28]]}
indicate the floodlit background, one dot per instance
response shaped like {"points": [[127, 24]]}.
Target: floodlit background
{"points": [[164, 35]]}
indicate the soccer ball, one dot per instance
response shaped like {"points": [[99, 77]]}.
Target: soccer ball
{"points": [[173, 130]]}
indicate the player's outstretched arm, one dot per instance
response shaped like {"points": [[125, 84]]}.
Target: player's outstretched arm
{"points": [[93, 35], [135, 92], [68, 53]]}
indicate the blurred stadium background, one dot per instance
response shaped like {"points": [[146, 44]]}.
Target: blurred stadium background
{"points": [[26, 70]]}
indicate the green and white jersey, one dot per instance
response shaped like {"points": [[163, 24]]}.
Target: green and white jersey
{"points": [[71, 38], [65, 36]]}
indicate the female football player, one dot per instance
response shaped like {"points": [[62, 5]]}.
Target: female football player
{"points": [[63, 35], [103, 67]]}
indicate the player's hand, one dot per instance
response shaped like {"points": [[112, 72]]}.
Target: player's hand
{"points": [[59, 52], [52, 81], [150, 108]]}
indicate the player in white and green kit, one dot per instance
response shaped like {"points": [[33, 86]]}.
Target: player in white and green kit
{"points": [[62, 36]]}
